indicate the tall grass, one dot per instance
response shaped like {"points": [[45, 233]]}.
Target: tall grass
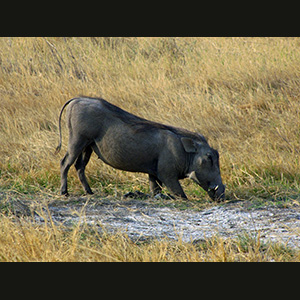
{"points": [[243, 94]]}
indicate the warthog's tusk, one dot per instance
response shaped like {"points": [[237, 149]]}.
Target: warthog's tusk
{"points": [[213, 188]]}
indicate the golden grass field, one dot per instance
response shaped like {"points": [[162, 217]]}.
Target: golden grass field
{"points": [[242, 94]]}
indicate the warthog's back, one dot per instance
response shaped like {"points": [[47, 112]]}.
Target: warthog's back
{"points": [[91, 110]]}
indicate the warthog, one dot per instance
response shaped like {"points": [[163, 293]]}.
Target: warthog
{"points": [[127, 142]]}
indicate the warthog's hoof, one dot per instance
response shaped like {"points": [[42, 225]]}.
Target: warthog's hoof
{"points": [[163, 196], [66, 194]]}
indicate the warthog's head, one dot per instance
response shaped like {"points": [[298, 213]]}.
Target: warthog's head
{"points": [[204, 168]]}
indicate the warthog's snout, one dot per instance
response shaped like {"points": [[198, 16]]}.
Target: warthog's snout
{"points": [[217, 192]]}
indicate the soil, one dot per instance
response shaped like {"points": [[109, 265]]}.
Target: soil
{"points": [[143, 219]]}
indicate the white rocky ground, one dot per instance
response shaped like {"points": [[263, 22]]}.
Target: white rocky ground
{"points": [[140, 219]]}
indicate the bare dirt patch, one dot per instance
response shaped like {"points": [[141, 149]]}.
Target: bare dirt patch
{"points": [[153, 218]]}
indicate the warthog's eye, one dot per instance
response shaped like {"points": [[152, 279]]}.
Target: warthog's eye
{"points": [[209, 158]]}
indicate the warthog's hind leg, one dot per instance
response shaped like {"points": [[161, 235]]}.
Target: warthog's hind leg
{"points": [[75, 148], [64, 173], [80, 165]]}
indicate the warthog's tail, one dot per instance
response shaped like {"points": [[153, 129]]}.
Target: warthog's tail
{"points": [[59, 125]]}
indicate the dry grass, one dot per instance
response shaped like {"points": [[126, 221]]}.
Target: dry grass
{"points": [[241, 93], [22, 241]]}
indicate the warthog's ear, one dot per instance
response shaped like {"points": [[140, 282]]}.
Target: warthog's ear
{"points": [[189, 145]]}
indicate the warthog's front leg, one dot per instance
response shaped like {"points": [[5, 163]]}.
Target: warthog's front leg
{"points": [[155, 185], [174, 186]]}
